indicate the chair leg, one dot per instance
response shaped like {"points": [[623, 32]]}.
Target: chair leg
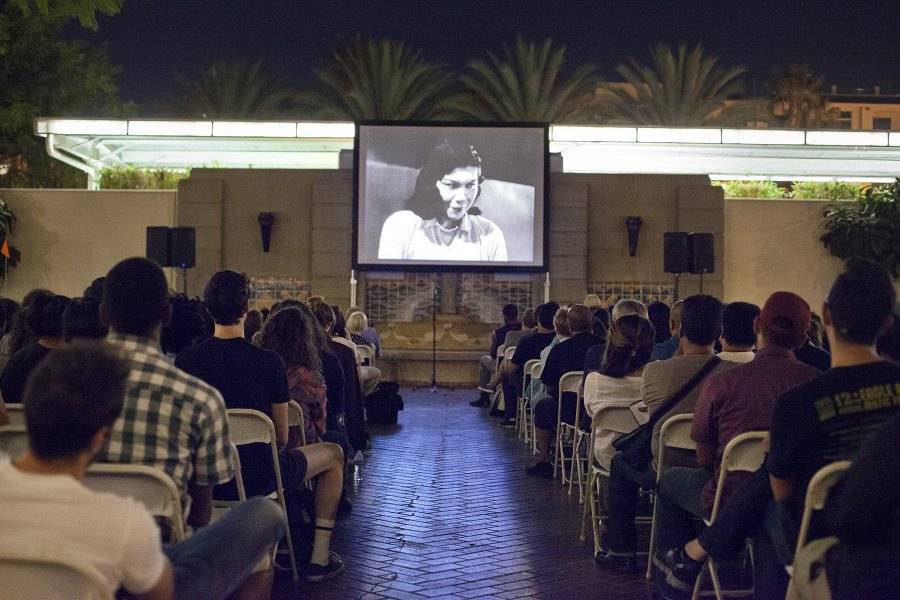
{"points": [[714, 576], [652, 549], [572, 462], [698, 584], [595, 518], [290, 543], [585, 513]]}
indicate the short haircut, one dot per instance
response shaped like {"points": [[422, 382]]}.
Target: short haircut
{"points": [[357, 322], [81, 321], [226, 296], [95, 290], [45, 316], [658, 314], [510, 312], [561, 322], [545, 314], [324, 314], [135, 296], [71, 395], [528, 320], [861, 301], [701, 319], [253, 323], [601, 321], [737, 323], [675, 313], [580, 319], [628, 307]]}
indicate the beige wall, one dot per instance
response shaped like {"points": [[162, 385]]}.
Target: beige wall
{"points": [[69, 237]]}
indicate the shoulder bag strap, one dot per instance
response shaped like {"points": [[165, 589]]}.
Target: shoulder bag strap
{"points": [[686, 389]]}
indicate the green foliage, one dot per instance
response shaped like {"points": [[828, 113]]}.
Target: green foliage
{"points": [[84, 10], [377, 79], [7, 221], [41, 74], [131, 178], [752, 189], [525, 83], [797, 94], [825, 190], [868, 228], [230, 90], [683, 88]]}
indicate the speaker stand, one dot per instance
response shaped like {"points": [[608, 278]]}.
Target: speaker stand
{"points": [[184, 281], [701, 282], [434, 385], [677, 280]]}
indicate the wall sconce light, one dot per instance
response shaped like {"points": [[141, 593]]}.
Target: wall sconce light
{"points": [[634, 230], [266, 219]]}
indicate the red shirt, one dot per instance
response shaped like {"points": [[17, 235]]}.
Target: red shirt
{"points": [[742, 399]]}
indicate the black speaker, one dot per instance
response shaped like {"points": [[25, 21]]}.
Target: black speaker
{"points": [[183, 247], [702, 250], [158, 245], [675, 252]]}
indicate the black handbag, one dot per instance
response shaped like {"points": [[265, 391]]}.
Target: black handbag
{"points": [[635, 446]]}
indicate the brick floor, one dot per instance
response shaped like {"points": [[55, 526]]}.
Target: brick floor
{"points": [[442, 509]]}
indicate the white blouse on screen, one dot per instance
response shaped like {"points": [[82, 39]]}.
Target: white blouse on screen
{"points": [[406, 236]]}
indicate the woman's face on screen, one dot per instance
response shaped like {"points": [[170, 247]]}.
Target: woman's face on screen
{"points": [[458, 190]]}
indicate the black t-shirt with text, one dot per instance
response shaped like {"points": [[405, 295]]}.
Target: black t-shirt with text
{"points": [[828, 419]]}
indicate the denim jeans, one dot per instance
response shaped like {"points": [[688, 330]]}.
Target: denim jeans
{"points": [[512, 384], [679, 501], [622, 499], [214, 561]]}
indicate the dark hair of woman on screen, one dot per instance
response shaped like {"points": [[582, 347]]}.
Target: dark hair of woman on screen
{"points": [[441, 221]]}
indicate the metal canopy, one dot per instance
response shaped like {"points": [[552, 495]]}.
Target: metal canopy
{"points": [[92, 145]]}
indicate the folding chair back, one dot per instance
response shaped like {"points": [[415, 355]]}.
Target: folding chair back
{"points": [[745, 452], [523, 414], [509, 352], [16, 414], [366, 354], [500, 350], [571, 382], [38, 573], [148, 485], [295, 419], [13, 439], [817, 494]]}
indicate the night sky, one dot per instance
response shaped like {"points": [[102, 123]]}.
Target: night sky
{"points": [[851, 43]]}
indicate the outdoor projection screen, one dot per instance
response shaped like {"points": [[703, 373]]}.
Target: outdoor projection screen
{"points": [[450, 197]]}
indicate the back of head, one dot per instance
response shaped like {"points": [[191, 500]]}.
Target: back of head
{"points": [[510, 313], [860, 302], [528, 319], [95, 290], [814, 333], [628, 346], [135, 297], [81, 321], [580, 319], [784, 320], [70, 396], [226, 296], [252, 323], [340, 324], [601, 321], [292, 337], [628, 307], [561, 322], [45, 316], [658, 313], [187, 327], [737, 323], [545, 314], [675, 314], [8, 310], [20, 333], [701, 319], [357, 322], [320, 309]]}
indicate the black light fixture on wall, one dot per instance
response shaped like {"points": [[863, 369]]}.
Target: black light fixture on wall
{"points": [[266, 219], [634, 230]]}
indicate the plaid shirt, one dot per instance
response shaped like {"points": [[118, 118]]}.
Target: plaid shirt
{"points": [[171, 421]]}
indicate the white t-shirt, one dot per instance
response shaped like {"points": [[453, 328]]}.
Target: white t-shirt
{"points": [[737, 357], [117, 536], [602, 391]]}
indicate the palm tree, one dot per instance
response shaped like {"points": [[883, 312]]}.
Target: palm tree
{"points": [[230, 90], [683, 88], [525, 83], [377, 79], [797, 94]]}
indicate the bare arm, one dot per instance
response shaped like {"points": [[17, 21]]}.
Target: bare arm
{"points": [[782, 489], [280, 419], [164, 589], [201, 504]]}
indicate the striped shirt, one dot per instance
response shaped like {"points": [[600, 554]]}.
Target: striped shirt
{"points": [[170, 420]]}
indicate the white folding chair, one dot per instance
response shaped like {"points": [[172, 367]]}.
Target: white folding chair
{"points": [[674, 433], [577, 467], [622, 420], [745, 452], [536, 370], [32, 572], [148, 485], [16, 414], [500, 350], [366, 354], [295, 419], [569, 383], [523, 411], [247, 426], [816, 495], [13, 439], [221, 506]]}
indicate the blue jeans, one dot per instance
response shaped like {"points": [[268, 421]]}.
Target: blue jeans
{"points": [[213, 562], [679, 501]]}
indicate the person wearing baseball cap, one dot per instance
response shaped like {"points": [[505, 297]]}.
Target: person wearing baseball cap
{"points": [[732, 402]]}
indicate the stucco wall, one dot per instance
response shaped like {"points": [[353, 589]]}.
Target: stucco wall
{"points": [[69, 237]]}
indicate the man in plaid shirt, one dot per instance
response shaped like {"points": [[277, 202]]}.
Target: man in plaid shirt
{"points": [[170, 420]]}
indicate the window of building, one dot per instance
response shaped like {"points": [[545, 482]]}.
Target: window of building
{"points": [[845, 120], [881, 123]]}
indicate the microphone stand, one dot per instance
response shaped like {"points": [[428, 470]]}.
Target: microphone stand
{"points": [[434, 385]]}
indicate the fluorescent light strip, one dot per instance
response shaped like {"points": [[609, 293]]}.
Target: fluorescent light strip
{"points": [[254, 129], [669, 135], [847, 138], [182, 128], [777, 137], [81, 127], [326, 130], [861, 179], [571, 133]]}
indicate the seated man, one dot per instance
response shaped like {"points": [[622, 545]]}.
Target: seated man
{"points": [[536, 389], [666, 350], [528, 324], [732, 402], [248, 376], [498, 338], [71, 402], [738, 331], [566, 356]]}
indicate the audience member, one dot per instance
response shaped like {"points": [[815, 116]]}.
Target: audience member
{"points": [[171, 420], [601, 322], [667, 349], [81, 321], [701, 326], [20, 335], [498, 338], [186, 327], [45, 316], [252, 324], [336, 382], [738, 332], [659, 313], [357, 323], [528, 324], [732, 402], [811, 352], [567, 356], [594, 358], [369, 333], [888, 346], [369, 374], [8, 311], [537, 389], [340, 323], [71, 402], [95, 290]]}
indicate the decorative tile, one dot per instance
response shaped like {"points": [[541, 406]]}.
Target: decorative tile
{"points": [[611, 292], [266, 291], [482, 296], [401, 297]]}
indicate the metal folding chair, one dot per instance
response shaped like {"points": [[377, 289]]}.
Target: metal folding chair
{"points": [[569, 383], [13, 439], [39, 571], [16, 414], [523, 414]]}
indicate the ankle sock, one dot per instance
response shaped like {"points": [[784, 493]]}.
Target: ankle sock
{"points": [[322, 541]]}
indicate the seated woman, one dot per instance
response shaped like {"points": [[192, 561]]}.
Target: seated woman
{"points": [[618, 383], [440, 222], [368, 374]]}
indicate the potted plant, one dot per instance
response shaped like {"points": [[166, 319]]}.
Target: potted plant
{"points": [[8, 253], [868, 228]]}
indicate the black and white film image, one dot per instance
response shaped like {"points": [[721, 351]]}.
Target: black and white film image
{"points": [[450, 195]]}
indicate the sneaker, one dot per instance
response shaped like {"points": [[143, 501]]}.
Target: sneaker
{"points": [[509, 422], [617, 562], [483, 400], [541, 469], [676, 571], [316, 572]]}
